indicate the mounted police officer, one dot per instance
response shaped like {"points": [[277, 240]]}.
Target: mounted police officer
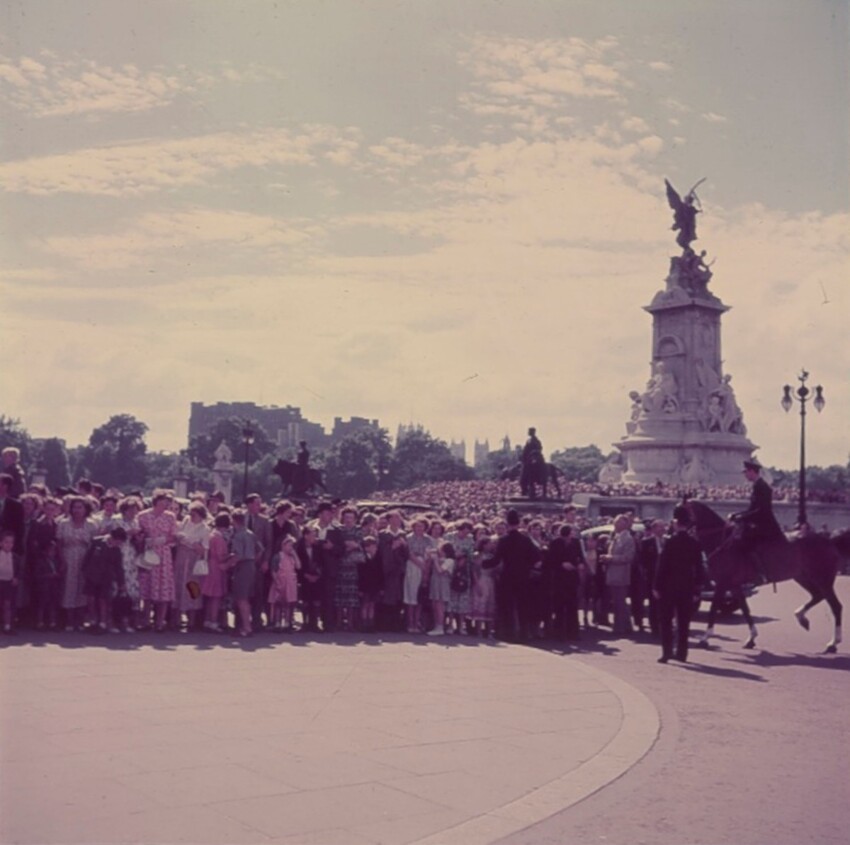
{"points": [[758, 523]]}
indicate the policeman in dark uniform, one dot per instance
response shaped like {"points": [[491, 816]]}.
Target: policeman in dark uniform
{"points": [[758, 522]]}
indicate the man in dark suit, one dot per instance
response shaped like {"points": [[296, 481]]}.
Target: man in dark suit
{"points": [[677, 580], [649, 551], [561, 569], [331, 547], [517, 553], [11, 512], [261, 526]]}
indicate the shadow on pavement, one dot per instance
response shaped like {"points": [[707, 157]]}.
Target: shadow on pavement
{"points": [[767, 659], [720, 672], [171, 640]]}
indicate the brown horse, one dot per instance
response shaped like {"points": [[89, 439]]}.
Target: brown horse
{"points": [[812, 561], [540, 475]]}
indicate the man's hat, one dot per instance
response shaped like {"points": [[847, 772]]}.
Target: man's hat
{"points": [[752, 463]]}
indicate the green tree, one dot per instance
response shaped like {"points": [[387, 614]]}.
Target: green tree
{"points": [[229, 430], [579, 463], [54, 459], [356, 465], [418, 457], [115, 455], [161, 470]]}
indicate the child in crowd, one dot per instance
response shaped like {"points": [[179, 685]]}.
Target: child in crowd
{"points": [[440, 587], [307, 549], [283, 595], [10, 574], [484, 587], [370, 580], [103, 574]]}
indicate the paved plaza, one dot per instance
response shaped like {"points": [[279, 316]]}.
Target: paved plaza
{"points": [[193, 738]]}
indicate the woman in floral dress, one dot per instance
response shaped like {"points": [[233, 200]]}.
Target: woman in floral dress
{"points": [[128, 510], [74, 535], [159, 529], [460, 603]]}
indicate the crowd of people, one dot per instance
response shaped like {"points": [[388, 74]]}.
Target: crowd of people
{"points": [[482, 496], [98, 560], [93, 559]]}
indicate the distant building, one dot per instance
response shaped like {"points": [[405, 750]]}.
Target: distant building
{"points": [[286, 426], [458, 450], [410, 428], [480, 452], [342, 428]]}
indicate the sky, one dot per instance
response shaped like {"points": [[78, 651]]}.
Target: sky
{"points": [[435, 212]]}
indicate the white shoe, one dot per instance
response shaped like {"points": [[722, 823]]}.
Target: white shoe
{"points": [[436, 632]]}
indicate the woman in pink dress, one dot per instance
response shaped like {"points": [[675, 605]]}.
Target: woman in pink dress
{"points": [[219, 560], [158, 527]]}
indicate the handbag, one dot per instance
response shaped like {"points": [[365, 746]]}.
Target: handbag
{"points": [[148, 560], [201, 567]]}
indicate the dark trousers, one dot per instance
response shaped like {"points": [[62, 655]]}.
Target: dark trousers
{"points": [[259, 597], [328, 611], [565, 606], [680, 607], [516, 609]]}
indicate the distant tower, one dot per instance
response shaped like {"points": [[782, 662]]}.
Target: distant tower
{"points": [[458, 450], [506, 444], [481, 450]]}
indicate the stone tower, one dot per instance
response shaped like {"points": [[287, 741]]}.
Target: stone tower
{"points": [[686, 426]]}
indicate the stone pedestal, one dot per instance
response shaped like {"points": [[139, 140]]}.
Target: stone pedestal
{"points": [[686, 426]]}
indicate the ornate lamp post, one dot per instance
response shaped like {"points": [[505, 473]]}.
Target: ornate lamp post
{"points": [[802, 394], [247, 439]]}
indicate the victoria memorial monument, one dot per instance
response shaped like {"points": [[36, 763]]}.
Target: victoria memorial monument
{"points": [[685, 426]]}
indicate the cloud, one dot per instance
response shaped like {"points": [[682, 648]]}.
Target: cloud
{"points": [[661, 67], [520, 76], [635, 124], [84, 87], [63, 87], [713, 117], [181, 237], [145, 167]]}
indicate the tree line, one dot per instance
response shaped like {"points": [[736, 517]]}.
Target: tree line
{"points": [[356, 466]]}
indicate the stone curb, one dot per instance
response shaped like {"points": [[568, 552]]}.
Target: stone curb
{"points": [[638, 732]]}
